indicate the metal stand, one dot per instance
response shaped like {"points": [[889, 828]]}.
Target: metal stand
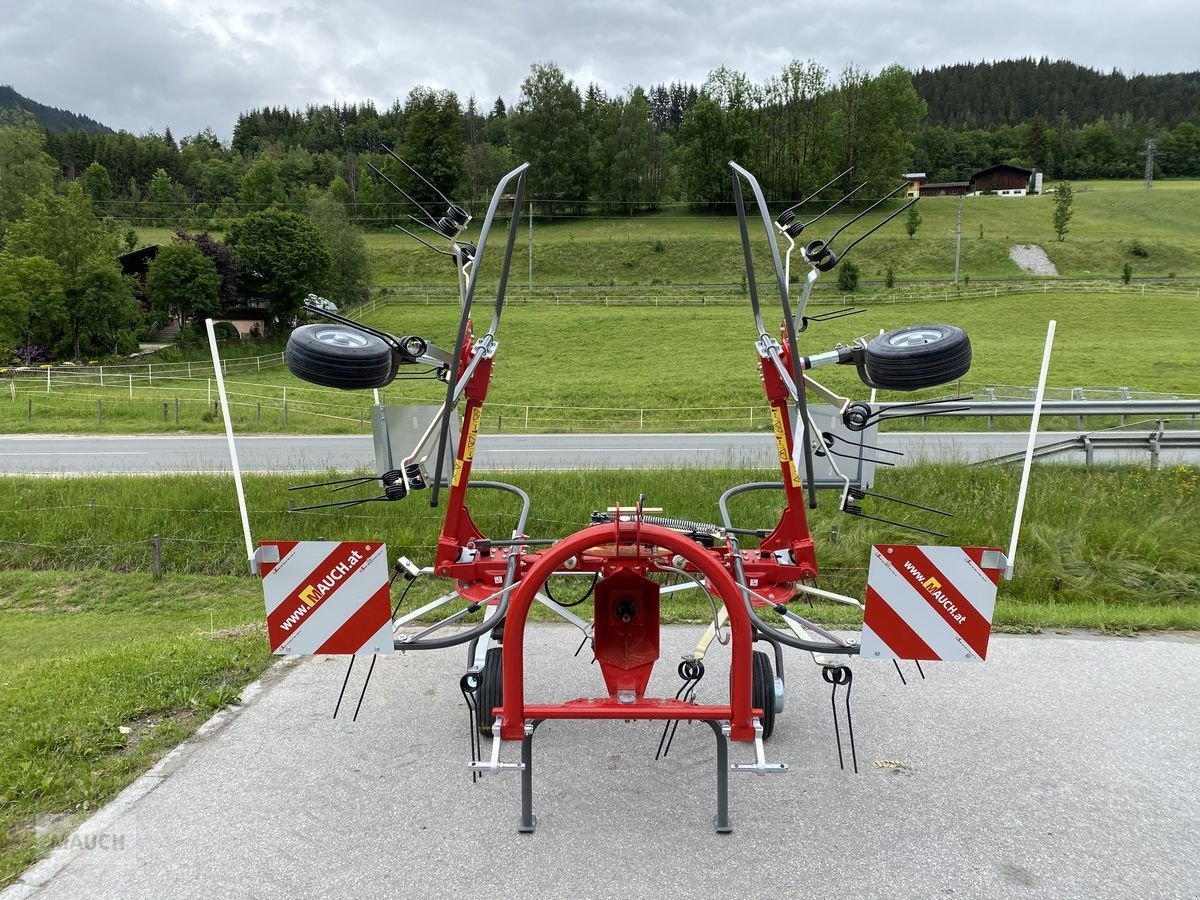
{"points": [[528, 819], [722, 818], [528, 823]]}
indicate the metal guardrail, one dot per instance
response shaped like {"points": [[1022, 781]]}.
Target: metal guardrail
{"points": [[978, 407], [1154, 441]]}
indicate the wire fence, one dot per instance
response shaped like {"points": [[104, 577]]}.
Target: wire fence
{"points": [[118, 374], [718, 294], [183, 403]]}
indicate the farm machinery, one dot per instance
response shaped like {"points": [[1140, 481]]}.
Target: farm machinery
{"points": [[922, 602]]}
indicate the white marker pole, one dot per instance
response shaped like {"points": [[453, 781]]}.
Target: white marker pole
{"points": [[233, 457], [1033, 427]]}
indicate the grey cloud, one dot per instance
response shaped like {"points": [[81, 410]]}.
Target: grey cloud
{"points": [[147, 65]]}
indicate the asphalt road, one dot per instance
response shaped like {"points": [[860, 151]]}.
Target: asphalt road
{"points": [[147, 454], [1062, 767]]}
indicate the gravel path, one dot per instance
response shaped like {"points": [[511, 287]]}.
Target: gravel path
{"points": [[1032, 258]]}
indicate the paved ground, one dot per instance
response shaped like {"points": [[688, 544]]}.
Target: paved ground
{"points": [[121, 454], [1063, 767]]}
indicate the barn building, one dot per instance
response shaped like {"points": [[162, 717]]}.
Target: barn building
{"points": [[1005, 180]]}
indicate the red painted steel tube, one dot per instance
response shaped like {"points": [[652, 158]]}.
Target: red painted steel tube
{"points": [[719, 580]]}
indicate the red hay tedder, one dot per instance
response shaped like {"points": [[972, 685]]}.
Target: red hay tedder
{"points": [[921, 602]]}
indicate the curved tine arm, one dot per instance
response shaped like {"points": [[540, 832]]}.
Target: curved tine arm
{"points": [[468, 299], [751, 283], [740, 577], [506, 265], [505, 592], [789, 323]]}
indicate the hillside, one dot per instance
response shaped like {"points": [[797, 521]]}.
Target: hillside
{"points": [[49, 117], [1012, 91]]}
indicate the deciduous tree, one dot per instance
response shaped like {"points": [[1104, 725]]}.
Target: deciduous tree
{"points": [[349, 271], [546, 129], [183, 280], [283, 258]]}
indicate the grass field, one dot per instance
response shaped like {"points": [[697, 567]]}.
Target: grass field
{"points": [[101, 675], [691, 367], [1119, 541], [675, 247], [105, 669]]}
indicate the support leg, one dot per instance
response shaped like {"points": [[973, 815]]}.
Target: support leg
{"points": [[722, 819], [528, 819]]}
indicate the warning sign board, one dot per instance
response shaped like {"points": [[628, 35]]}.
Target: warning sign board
{"points": [[930, 602], [326, 596]]}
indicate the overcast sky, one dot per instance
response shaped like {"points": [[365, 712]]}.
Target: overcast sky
{"points": [[187, 65]]}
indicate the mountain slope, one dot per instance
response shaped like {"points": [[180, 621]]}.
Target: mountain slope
{"points": [[49, 117]]}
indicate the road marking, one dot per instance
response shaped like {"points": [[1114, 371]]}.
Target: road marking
{"points": [[606, 449], [82, 453]]}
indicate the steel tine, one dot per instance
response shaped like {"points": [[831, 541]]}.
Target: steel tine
{"points": [[405, 193], [878, 202], [834, 206], [827, 184], [342, 692]]}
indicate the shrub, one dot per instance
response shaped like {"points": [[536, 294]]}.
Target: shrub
{"points": [[1138, 249], [847, 277], [1126, 273]]}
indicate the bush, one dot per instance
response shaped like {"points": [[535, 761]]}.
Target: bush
{"points": [[889, 278], [1126, 273], [847, 277], [1138, 249]]}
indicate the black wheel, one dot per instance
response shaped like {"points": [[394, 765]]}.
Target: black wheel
{"points": [[341, 357], [764, 691], [916, 357], [490, 692]]}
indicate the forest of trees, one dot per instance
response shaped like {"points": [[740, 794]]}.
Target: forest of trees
{"points": [[291, 184], [646, 147]]}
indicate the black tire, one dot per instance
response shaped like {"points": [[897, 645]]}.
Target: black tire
{"points": [[764, 691], [490, 692], [341, 357], [919, 356]]}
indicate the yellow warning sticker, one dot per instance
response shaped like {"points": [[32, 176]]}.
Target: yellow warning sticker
{"points": [[781, 444], [472, 430], [780, 436], [469, 449]]}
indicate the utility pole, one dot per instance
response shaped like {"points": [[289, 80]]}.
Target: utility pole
{"points": [[958, 241], [531, 246], [1151, 145]]}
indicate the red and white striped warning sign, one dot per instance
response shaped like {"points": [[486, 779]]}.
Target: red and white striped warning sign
{"points": [[326, 596], [930, 602]]}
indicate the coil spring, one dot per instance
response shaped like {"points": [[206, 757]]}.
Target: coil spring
{"points": [[393, 485], [666, 522], [416, 479]]}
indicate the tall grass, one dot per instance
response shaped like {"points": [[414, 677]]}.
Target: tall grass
{"points": [[1095, 540]]}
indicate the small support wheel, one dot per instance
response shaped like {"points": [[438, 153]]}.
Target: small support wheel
{"points": [[340, 357], [764, 691], [919, 356], [490, 692]]}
